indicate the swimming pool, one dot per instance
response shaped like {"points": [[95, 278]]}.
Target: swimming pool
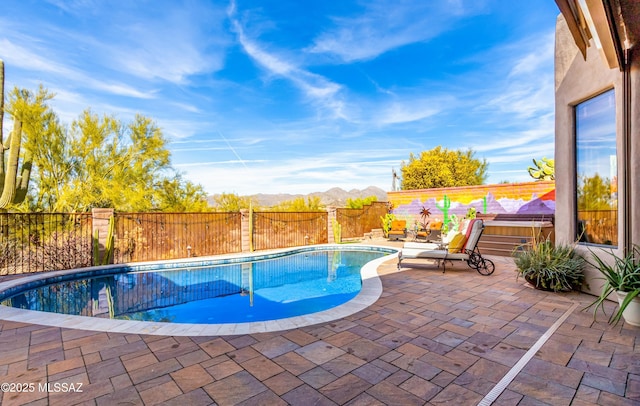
{"points": [[217, 295]]}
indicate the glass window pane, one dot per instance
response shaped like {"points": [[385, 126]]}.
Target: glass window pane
{"points": [[597, 169]]}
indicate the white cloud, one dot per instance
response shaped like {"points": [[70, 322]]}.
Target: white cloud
{"points": [[539, 59], [325, 114], [74, 6], [316, 88], [407, 111], [384, 25], [528, 90], [21, 57], [301, 175], [171, 49]]}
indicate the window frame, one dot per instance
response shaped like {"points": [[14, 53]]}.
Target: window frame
{"points": [[579, 230]]}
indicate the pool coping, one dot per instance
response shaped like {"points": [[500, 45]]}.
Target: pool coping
{"points": [[369, 294]]}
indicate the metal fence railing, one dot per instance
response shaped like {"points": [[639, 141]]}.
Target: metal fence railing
{"points": [[158, 236], [288, 229], [356, 222], [37, 242]]}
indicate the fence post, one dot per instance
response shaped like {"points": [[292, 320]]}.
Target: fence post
{"points": [[331, 215], [100, 227], [245, 229]]}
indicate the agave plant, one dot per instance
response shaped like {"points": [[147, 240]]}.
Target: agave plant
{"points": [[546, 266]]}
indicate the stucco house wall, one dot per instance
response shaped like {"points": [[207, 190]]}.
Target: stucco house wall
{"points": [[578, 79]]}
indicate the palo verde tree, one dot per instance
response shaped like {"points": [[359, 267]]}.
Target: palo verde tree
{"points": [[231, 202], [595, 193], [360, 202], [113, 164], [441, 167], [31, 118], [177, 194], [97, 162], [313, 203], [104, 162]]}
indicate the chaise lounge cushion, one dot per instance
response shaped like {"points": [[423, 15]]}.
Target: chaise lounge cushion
{"points": [[398, 229], [457, 242], [469, 249], [421, 245]]}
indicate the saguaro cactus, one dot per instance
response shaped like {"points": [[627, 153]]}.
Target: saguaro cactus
{"points": [[13, 188]]}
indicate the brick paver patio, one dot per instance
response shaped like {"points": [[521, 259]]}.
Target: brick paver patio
{"points": [[432, 338]]}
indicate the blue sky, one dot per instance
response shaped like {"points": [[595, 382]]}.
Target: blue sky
{"points": [[290, 96]]}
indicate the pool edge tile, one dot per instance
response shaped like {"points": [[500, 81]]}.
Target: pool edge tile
{"points": [[370, 292]]}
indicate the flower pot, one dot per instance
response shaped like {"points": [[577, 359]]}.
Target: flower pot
{"points": [[533, 281], [632, 313]]}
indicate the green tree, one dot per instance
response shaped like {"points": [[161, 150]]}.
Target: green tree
{"points": [[231, 202], [180, 195], [440, 167], [98, 162], [31, 119], [53, 169], [114, 165], [360, 202], [595, 193], [312, 203]]}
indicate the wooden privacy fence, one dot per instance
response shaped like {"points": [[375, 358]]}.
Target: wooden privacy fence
{"points": [[356, 222], [156, 236], [289, 229], [36, 242]]}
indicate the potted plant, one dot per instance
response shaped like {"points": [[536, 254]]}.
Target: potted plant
{"points": [[386, 223], [546, 266], [622, 277]]}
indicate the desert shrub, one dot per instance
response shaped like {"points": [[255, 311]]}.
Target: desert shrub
{"points": [[63, 251]]}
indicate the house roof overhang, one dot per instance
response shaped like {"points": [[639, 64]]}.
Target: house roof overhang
{"points": [[613, 25]]}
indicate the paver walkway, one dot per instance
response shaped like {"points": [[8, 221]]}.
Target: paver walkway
{"points": [[432, 338]]}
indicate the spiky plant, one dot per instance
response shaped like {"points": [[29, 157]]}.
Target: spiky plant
{"points": [[544, 169], [623, 275], [548, 266]]}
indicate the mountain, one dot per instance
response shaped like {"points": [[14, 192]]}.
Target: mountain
{"points": [[332, 197]]}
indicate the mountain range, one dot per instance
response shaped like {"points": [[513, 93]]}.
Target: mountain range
{"points": [[333, 197]]}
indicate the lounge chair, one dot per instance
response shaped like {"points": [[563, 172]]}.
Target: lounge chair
{"points": [[441, 253], [422, 235], [398, 229], [434, 235]]}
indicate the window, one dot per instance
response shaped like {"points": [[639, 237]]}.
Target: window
{"points": [[596, 170]]}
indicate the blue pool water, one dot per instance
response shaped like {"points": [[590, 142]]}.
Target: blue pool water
{"points": [[264, 289]]}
